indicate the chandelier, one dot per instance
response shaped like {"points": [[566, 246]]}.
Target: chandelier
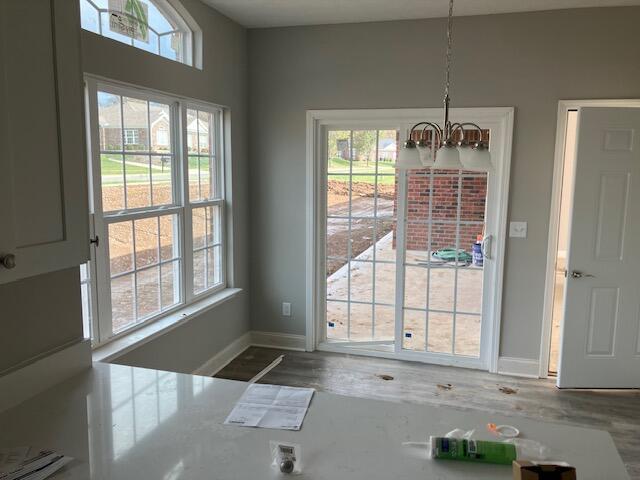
{"points": [[453, 151]]}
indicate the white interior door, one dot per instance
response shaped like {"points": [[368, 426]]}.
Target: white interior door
{"points": [[601, 335]]}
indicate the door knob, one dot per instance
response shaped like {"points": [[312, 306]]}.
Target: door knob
{"points": [[577, 274], [8, 261]]}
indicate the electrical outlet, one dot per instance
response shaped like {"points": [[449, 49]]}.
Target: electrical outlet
{"points": [[518, 229], [286, 309]]}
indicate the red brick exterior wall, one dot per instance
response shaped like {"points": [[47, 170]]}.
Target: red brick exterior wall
{"points": [[111, 138], [444, 207]]}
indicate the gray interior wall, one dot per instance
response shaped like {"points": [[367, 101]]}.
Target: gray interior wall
{"points": [[223, 80], [44, 312], [184, 350], [38, 315], [529, 61]]}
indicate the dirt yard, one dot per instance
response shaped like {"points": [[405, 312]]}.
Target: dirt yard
{"points": [[338, 191], [362, 230], [154, 242]]}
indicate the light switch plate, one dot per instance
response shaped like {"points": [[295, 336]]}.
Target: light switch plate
{"points": [[518, 229], [286, 309]]}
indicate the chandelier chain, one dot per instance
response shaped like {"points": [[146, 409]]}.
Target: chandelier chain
{"points": [[449, 42]]}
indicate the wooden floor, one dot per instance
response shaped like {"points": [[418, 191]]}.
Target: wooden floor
{"points": [[615, 411]]}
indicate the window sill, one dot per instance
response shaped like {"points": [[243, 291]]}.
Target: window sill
{"points": [[126, 343]]}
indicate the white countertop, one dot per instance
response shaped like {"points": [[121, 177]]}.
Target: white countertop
{"points": [[125, 423]]}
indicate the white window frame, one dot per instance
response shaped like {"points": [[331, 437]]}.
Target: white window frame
{"points": [[500, 121], [165, 137], [190, 206], [99, 272], [176, 14], [131, 136]]}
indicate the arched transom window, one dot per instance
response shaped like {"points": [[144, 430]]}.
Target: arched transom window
{"points": [[151, 25]]}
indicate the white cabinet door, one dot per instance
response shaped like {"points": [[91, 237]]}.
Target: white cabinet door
{"points": [[601, 334], [44, 200]]}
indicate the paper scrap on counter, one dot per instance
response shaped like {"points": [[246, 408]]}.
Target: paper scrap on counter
{"points": [[271, 406], [29, 463]]}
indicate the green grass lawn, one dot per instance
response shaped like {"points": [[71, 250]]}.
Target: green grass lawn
{"points": [[193, 164], [386, 180], [113, 166], [361, 172]]}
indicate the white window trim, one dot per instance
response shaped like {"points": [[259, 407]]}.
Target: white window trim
{"points": [[133, 134], [162, 137], [189, 205], [498, 119], [98, 267]]}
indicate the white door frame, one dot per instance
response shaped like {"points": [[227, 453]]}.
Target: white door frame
{"points": [[554, 216], [500, 118]]}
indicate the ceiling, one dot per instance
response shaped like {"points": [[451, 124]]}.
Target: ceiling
{"points": [[279, 13]]}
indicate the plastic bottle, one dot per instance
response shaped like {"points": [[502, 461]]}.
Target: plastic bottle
{"points": [[444, 448], [502, 453], [476, 250]]}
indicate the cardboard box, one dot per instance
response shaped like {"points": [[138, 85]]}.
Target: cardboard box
{"points": [[523, 470]]}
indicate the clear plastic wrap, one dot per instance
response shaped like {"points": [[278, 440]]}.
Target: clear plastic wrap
{"points": [[286, 457]]}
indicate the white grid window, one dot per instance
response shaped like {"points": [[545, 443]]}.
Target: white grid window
{"points": [[205, 199], [361, 221], [413, 275], [158, 205], [442, 305], [153, 26], [131, 136]]}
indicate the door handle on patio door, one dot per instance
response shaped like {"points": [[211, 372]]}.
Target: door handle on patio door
{"points": [[485, 247]]}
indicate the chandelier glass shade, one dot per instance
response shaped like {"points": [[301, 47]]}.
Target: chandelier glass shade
{"points": [[448, 147]]}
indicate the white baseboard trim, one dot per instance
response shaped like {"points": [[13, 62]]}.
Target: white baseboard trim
{"points": [[221, 359], [284, 341], [518, 367], [43, 372], [225, 356]]}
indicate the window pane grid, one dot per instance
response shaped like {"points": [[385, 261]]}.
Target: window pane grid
{"points": [[139, 172], [361, 209], [144, 264], [445, 213], [207, 247], [205, 201], [146, 267], [201, 146], [441, 326], [165, 38], [138, 161]]}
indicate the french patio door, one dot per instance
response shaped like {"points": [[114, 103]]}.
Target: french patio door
{"points": [[408, 264]]}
